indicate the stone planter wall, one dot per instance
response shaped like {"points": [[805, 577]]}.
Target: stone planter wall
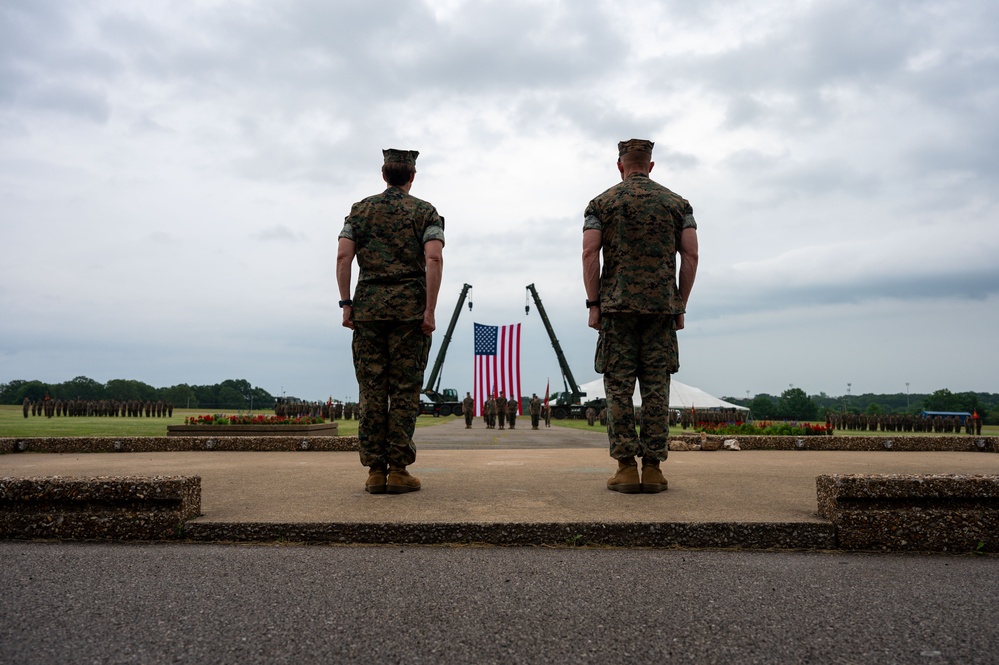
{"points": [[101, 508], [905, 443], [941, 513], [152, 444], [321, 429]]}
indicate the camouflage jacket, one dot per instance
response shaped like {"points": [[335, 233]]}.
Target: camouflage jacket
{"points": [[389, 231], [641, 222]]}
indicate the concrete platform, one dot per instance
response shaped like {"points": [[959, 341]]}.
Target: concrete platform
{"points": [[519, 487]]}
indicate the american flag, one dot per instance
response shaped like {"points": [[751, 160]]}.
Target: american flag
{"points": [[497, 363]]}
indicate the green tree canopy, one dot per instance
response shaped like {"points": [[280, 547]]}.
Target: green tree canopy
{"points": [[763, 407], [795, 404], [82, 387], [945, 400]]}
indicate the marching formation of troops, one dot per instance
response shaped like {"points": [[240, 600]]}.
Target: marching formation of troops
{"points": [[506, 411], [690, 417], [97, 407], [324, 410], [500, 408], [904, 422]]}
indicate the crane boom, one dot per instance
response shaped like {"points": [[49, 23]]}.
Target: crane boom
{"points": [[433, 383], [571, 386]]}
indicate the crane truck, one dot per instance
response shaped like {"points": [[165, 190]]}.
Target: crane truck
{"points": [[568, 404], [444, 402]]}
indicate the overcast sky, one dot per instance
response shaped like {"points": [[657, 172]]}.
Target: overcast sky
{"points": [[173, 177]]}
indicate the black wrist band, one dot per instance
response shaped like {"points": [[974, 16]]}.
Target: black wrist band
{"points": [[347, 303], [592, 303]]}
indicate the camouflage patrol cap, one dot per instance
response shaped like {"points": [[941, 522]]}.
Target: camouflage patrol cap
{"points": [[634, 145], [393, 155]]}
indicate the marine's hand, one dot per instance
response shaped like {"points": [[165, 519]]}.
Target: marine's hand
{"points": [[348, 321], [594, 321], [429, 323], [679, 321]]}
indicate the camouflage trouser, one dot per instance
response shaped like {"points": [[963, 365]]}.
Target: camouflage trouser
{"points": [[642, 347], [389, 360], [468, 417]]}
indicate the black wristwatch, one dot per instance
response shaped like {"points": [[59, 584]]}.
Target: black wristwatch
{"points": [[592, 303], [347, 303]]}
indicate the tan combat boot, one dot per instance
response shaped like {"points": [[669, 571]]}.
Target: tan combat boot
{"points": [[653, 480], [626, 479], [399, 481], [375, 484]]}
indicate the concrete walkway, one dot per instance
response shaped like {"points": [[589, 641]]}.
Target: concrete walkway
{"points": [[491, 480]]}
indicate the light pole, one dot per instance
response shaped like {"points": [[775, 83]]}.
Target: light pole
{"points": [[906, 395]]}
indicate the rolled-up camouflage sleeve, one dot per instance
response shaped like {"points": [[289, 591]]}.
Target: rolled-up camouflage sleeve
{"points": [[590, 218], [688, 216], [347, 231], [434, 230]]}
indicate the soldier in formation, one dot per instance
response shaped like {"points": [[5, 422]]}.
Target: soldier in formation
{"points": [[468, 409], [501, 409], [511, 412], [490, 412]]}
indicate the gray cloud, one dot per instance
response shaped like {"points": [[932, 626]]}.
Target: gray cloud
{"points": [[839, 157]]}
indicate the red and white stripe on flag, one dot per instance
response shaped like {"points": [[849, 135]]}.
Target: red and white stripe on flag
{"points": [[497, 363]]}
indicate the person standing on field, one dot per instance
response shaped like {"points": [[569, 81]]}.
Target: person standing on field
{"points": [[501, 409], [511, 412], [637, 303], [468, 409], [398, 241]]}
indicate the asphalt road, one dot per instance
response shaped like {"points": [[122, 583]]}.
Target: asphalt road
{"points": [[158, 603]]}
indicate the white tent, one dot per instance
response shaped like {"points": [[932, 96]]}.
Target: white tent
{"points": [[681, 396]]}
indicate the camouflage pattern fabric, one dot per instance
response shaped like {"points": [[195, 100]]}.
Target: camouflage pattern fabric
{"points": [[501, 410], [389, 231], [389, 360], [511, 413], [642, 347], [468, 410], [641, 222]]}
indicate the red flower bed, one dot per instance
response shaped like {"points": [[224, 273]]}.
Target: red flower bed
{"points": [[259, 419]]}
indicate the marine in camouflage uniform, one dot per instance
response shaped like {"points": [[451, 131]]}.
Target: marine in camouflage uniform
{"points": [[511, 413], [638, 227], [468, 409], [535, 409], [490, 412], [398, 242], [501, 409]]}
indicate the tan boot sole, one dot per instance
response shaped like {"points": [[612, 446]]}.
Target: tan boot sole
{"points": [[626, 488], [401, 489], [374, 489], [654, 488]]}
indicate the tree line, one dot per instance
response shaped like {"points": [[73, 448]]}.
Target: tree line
{"points": [[795, 404], [229, 394]]}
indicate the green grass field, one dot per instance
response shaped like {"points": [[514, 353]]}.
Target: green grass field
{"points": [[14, 424], [581, 424]]}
